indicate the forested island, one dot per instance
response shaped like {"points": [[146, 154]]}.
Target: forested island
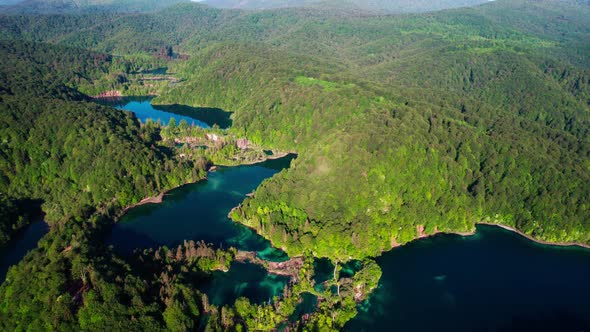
{"points": [[407, 122]]}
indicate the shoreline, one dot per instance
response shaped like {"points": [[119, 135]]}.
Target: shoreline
{"points": [[422, 236], [289, 268], [148, 200], [111, 99], [557, 244], [159, 199]]}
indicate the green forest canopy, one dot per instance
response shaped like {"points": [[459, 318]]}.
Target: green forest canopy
{"points": [[489, 103], [404, 125]]}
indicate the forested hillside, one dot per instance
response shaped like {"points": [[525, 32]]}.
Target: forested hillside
{"points": [[69, 154], [83, 164], [436, 121], [405, 126], [491, 103]]}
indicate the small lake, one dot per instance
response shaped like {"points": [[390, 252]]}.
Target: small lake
{"points": [[143, 109], [495, 280], [199, 212], [20, 245]]}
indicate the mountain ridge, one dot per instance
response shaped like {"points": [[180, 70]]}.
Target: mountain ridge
{"points": [[378, 6]]}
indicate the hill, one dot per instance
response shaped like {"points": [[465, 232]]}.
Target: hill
{"points": [[66, 153], [490, 103]]}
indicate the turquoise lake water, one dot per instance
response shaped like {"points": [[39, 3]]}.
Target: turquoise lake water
{"points": [[204, 117], [199, 212]]}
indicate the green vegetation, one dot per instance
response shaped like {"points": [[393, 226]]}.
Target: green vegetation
{"points": [[86, 162], [68, 153], [13, 216], [75, 156], [214, 145], [326, 85], [432, 135], [405, 126]]}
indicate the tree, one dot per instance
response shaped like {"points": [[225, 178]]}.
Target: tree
{"points": [[176, 317]]}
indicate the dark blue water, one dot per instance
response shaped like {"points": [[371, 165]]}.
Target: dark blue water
{"points": [[243, 280], [493, 281], [20, 245]]}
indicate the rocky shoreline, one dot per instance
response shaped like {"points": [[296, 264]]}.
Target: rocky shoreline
{"points": [[261, 160], [109, 94], [289, 268], [558, 244], [148, 200]]}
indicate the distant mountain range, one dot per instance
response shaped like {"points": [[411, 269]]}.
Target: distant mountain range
{"points": [[77, 6], [391, 6]]}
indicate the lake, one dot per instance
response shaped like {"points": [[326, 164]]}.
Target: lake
{"points": [[495, 280], [143, 109], [199, 212]]}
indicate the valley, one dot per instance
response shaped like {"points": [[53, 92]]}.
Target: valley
{"points": [[294, 165]]}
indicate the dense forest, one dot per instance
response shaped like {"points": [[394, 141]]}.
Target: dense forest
{"points": [[82, 163], [414, 155], [405, 126], [73, 155]]}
